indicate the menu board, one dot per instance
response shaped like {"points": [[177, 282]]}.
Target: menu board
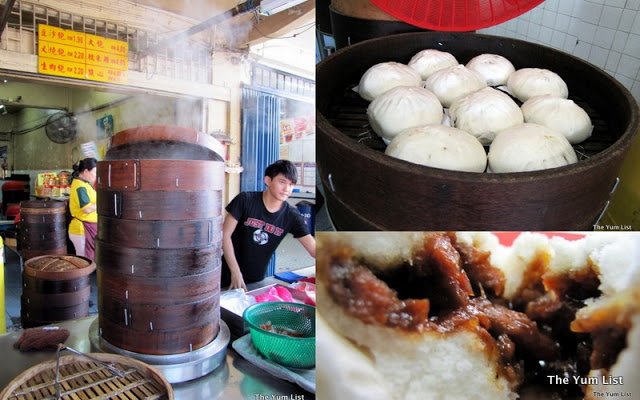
{"points": [[306, 173], [63, 52]]}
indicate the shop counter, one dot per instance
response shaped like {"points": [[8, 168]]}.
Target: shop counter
{"points": [[236, 378]]}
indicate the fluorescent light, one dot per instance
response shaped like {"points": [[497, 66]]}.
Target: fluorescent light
{"points": [[270, 7]]}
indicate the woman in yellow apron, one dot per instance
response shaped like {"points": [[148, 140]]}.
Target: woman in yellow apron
{"points": [[82, 205]]}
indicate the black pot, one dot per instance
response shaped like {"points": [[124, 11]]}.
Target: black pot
{"points": [[365, 189]]}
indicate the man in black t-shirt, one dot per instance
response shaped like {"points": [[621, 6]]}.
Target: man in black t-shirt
{"points": [[255, 225]]}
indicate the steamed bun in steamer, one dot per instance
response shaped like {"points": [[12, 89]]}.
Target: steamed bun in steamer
{"points": [[385, 76], [494, 68], [439, 146], [428, 61], [530, 82], [529, 147], [561, 115], [453, 83], [401, 108], [484, 113]]}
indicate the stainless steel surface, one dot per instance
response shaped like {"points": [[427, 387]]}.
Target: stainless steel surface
{"points": [[175, 367], [236, 378]]}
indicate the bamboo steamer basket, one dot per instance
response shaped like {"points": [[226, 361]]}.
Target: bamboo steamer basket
{"points": [[367, 190], [42, 228], [55, 288], [159, 240], [86, 379]]}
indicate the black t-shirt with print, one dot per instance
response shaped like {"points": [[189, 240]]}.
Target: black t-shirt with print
{"points": [[258, 234]]}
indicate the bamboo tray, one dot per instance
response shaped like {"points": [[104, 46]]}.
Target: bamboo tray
{"points": [[81, 378]]}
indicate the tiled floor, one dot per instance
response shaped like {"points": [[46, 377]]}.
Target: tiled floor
{"points": [[289, 256]]}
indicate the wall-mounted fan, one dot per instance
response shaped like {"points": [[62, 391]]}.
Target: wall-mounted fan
{"points": [[61, 127]]}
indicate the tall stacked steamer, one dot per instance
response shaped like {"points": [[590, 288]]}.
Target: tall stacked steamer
{"points": [[159, 241]]}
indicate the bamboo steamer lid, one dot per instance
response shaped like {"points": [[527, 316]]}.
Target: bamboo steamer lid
{"points": [[59, 267], [86, 379]]}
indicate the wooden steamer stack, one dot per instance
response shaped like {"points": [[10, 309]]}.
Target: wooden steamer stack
{"points": [[42, 228], [55, 288], [158, 248]]}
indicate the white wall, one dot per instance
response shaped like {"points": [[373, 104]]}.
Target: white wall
{"points": [[604, 32]]}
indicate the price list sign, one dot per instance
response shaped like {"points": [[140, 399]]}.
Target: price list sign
{"points": [[72, 54]]}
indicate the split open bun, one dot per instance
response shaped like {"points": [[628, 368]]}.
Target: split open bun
{"points": [[413, 315]]}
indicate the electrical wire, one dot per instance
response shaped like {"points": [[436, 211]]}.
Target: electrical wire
{"points": [[44, 124], [306, 26], [27, 130], [106, 105]]}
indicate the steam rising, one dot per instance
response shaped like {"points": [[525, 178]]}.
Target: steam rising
{"points": [[162, 150]]}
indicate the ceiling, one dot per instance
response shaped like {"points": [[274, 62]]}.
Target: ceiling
{"points": [[206, 11], [196, 9], [227, 17]]}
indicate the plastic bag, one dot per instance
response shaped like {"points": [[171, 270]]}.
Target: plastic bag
{"points": [[236, 300], [276, 293], [309, 290]]}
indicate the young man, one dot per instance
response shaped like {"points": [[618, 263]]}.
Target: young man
{"points": [[256, 223]]}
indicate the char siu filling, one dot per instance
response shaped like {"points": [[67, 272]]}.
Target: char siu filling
{"points": [[450, 286]]}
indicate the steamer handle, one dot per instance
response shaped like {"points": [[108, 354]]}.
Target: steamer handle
{"points": [[108, 366], [331, 185], [606, 205]]}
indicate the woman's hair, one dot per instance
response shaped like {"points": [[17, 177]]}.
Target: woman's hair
{"points": [[83, 165]]}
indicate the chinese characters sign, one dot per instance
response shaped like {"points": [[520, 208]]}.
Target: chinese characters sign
{"points": [[63, 52]]}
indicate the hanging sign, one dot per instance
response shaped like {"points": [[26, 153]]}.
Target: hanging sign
{"points": [[72, 54]]}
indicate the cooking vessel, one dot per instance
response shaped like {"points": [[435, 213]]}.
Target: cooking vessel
{"points": [[55, 288], [42, 229], [159, 240], [367, 190], [353, 22]]}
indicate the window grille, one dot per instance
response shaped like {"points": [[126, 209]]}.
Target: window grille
{"points": [[281, 82], [190, 62]]}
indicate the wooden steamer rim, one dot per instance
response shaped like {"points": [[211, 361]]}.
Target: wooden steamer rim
{"points": [[43, 212], [42, 205], [77, 272], [156, 175], [141, 381], [165, 133], [361, 9]]}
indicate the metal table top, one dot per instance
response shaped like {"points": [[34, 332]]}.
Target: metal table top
{"points": [[236, 378]]}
